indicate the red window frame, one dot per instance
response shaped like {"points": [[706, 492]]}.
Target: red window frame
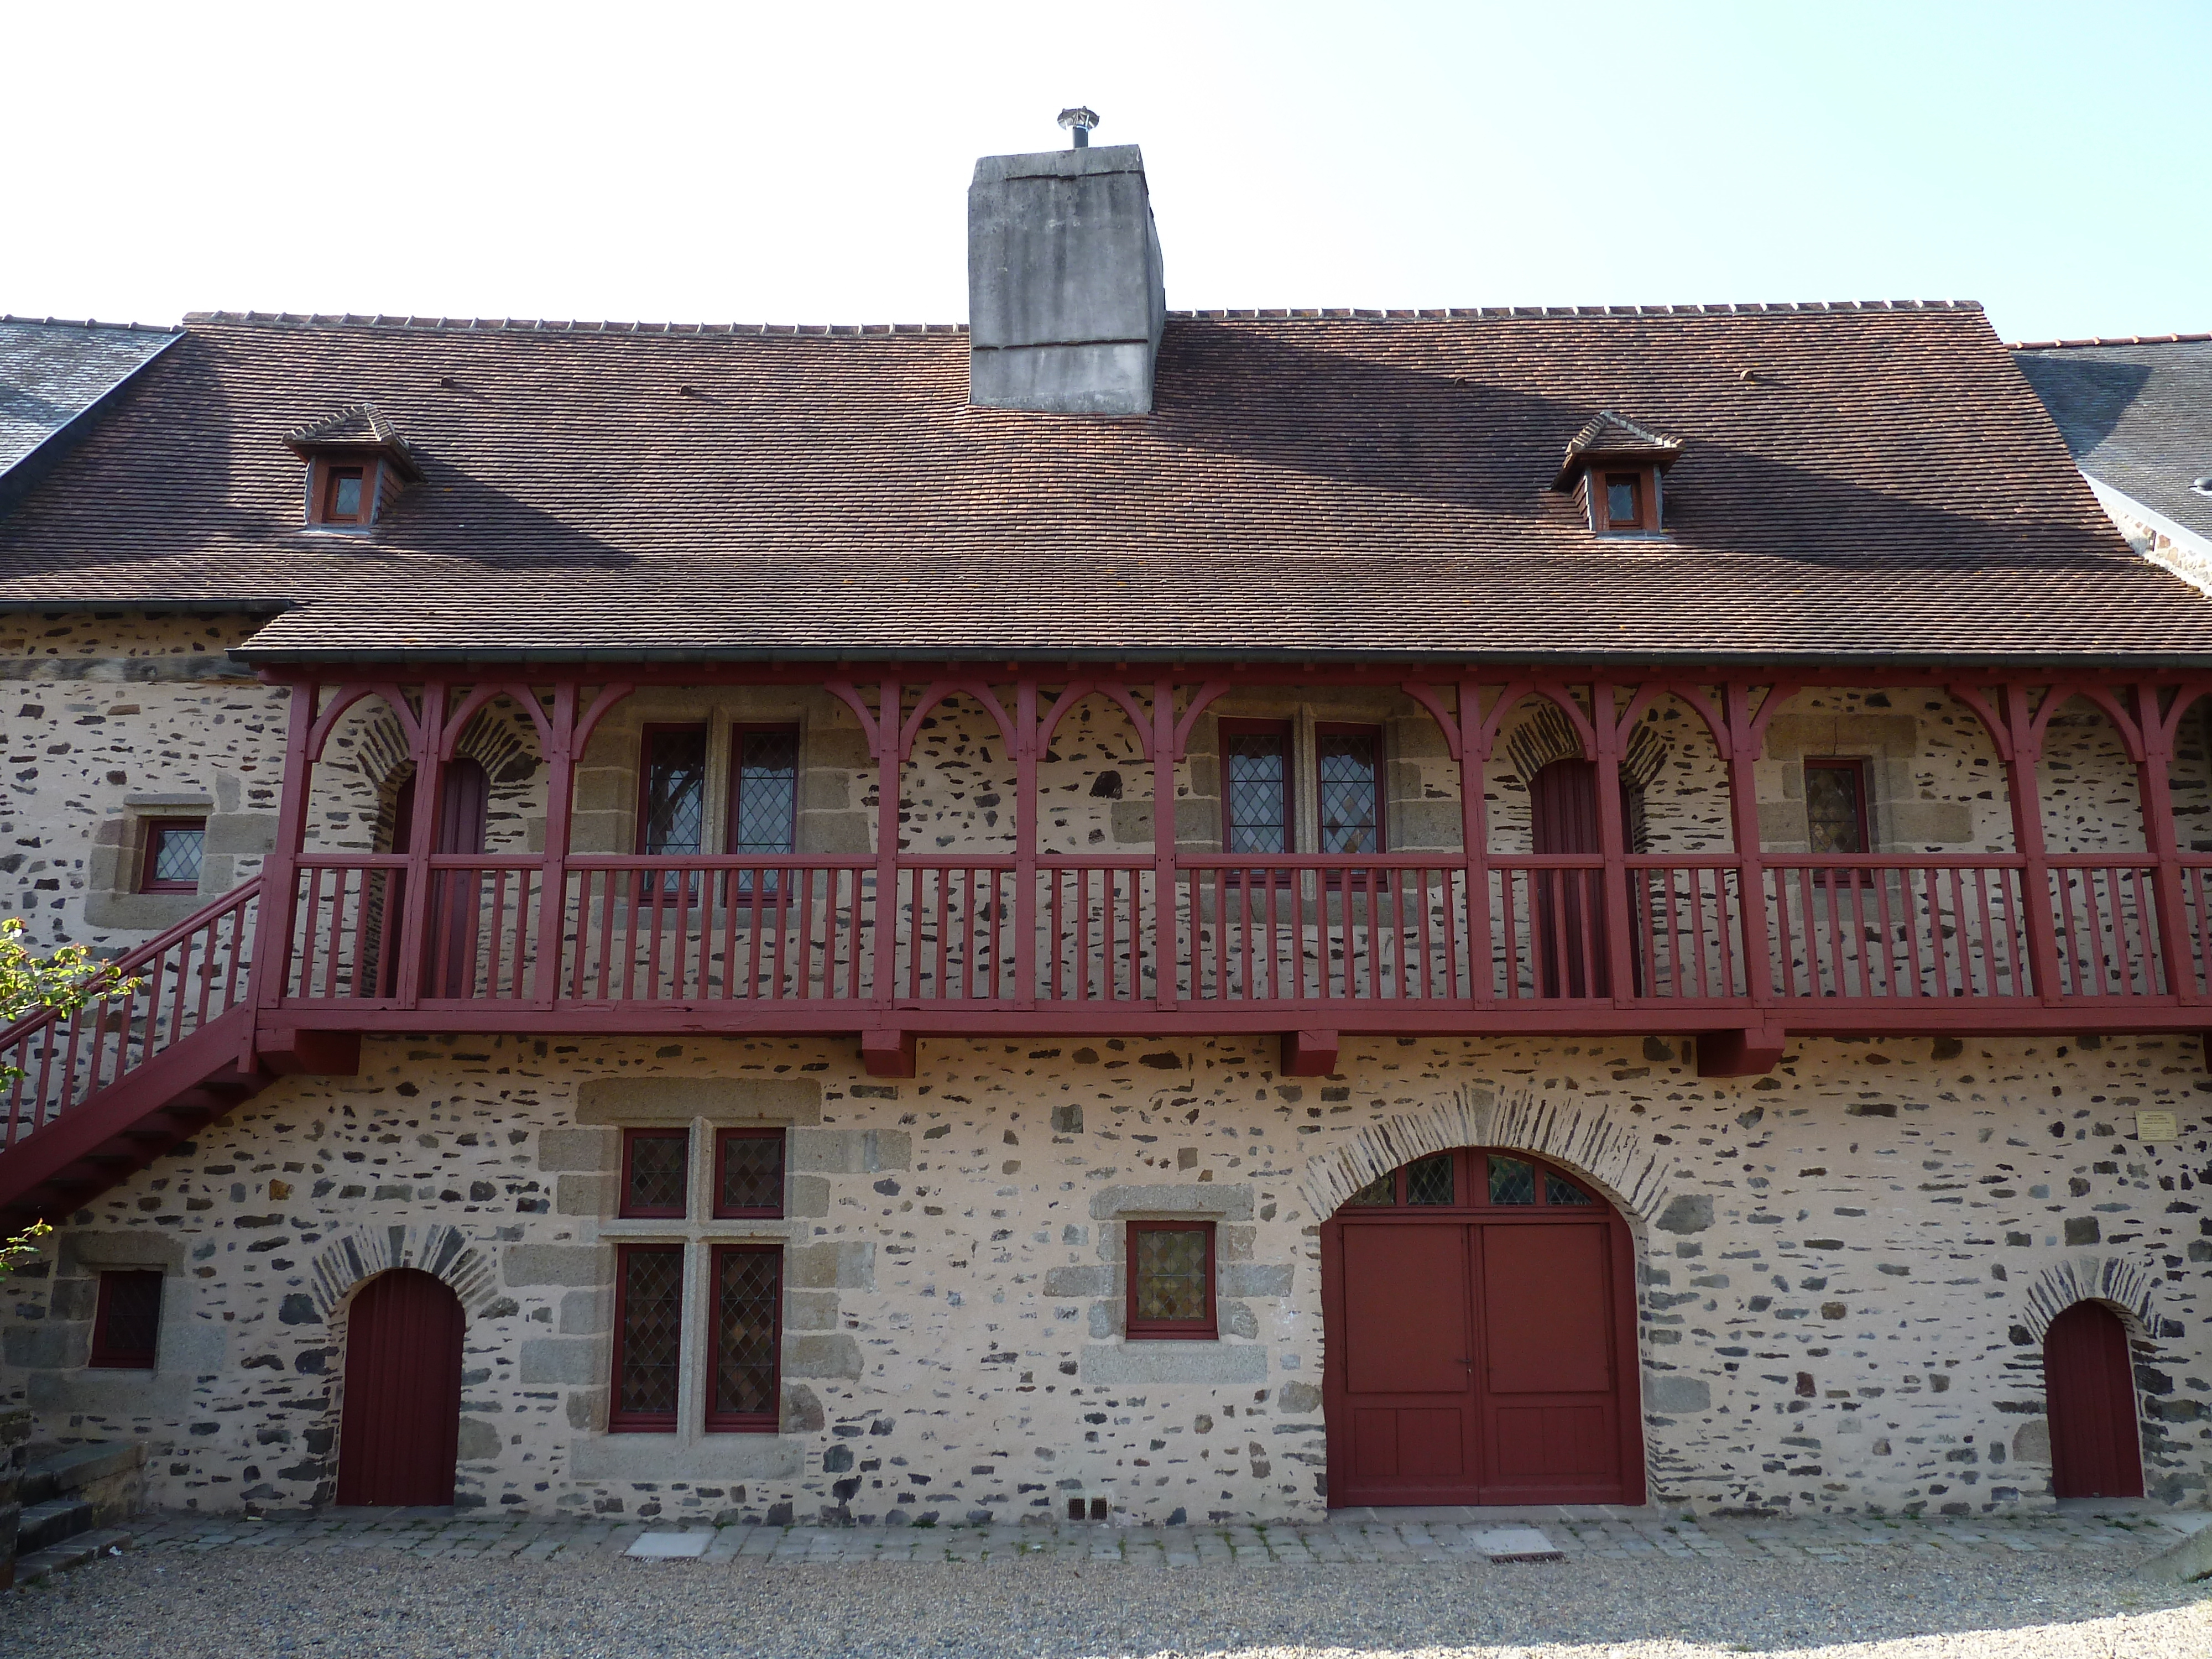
{"points": [[651, 735], [655, 1422], [763, 1422], [327, 493], [1470, 1168], [125, 1284], [1856, 766], [1227, 729], [744, 882], [1639, 485], [1152, 1330], [723, 1139], [640, 1212], [157, 831], [1326, 729]]}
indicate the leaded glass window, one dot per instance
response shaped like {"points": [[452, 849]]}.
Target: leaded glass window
{"points": [[1382, 1190], [763, 791], [1170, 1270], [1512, 1181], [673, 817], [648, 1335], [127, 1320], [1558, 1189], [749, 1172], [1429, 1179], [748, 1294], [1256, 779], [655, 1169], [1350, 764], [1835, 806]]}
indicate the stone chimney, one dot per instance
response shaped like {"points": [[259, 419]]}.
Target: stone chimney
{"points": [[1065, 303]]}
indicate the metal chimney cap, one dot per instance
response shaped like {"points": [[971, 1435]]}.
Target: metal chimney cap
{"points": [[1080, 121]]}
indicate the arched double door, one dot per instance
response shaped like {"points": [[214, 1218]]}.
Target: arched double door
{"points": [[1480, 1339]]}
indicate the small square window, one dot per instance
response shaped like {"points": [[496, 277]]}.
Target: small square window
{"points": [[126, 1326], [1624, 502], [656, 1172], [173, 855], [344, 494], [1171, 1271], [749, 1172]]}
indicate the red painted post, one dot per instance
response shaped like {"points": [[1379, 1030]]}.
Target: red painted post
{"points": [[1026, 854], [553, 895], [1747, 737], [2024, 794], [272, 932], [429, 780], [1612, 844], [890, 755], [2157, 790], [1166, 899], [1474, 836]]}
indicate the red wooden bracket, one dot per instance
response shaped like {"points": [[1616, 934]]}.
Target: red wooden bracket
{"points": [[887, 1053], [1309, 1054], [1751, 1052], [318, 1053]]}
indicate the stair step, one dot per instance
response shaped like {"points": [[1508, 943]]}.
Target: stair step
{"points": [[50, 1522], [64, 1469], [71, 1552]]}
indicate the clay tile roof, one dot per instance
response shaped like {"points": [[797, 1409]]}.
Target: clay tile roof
{"points": [[1309, 487], [1608, 436]]}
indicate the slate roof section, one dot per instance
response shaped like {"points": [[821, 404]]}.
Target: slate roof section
{"points": [[1311, 488], [53, 377], [2136, 414]]}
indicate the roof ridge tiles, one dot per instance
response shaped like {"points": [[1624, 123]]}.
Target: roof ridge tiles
{"points": [[2108, 340], [93, 322]]}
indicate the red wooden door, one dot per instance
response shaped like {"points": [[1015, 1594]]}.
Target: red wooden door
{"points": [[1568, 916], [401, 1421], [1480, 1340], [449, 942], [2089, 1397]]}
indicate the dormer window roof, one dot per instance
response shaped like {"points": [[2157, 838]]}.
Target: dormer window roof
{"points": [[1614, 466], [357, 462]]}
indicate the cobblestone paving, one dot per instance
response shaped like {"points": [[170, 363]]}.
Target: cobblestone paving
{"points": [[1406, 1537]]}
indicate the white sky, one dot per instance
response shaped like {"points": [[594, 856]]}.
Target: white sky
{"points": [[808, 163]]}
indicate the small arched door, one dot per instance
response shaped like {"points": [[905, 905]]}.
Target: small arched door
{"points": [[400, 1424], [1570, 944], [2089, 1397], [449, 941], [1479, 1339]]}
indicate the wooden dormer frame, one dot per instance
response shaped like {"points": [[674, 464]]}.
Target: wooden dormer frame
{"points": [[1648, 481]]}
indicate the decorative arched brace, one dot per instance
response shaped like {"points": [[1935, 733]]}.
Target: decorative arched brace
{"points": [[2060, 694], [1557, 691], [610, 694], [392, 696], [2161, 724], [1647, 697], [1992, 722], [1610, 1154], [1076, 692], [358, 1254], [1448, 721], [935, 693], [2129, 1287], [1201, 699], [870, 727], [522, 695]]}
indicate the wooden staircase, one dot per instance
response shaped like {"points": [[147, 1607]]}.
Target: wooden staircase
{"points": [[106, 1091]]}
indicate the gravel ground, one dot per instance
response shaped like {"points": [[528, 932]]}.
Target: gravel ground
{"points": [[259, 1604]]}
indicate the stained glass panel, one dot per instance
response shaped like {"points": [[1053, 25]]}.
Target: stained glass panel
{"points": [[747, 1285], [1351, 795], [675, 791], [1834, 809], [657, 1162], [1258, 764], [1558, 1189], [1382, 1190], [1429, 1180], [651, 1331], [1170, 1263], [1512, 1181], [750, 1181]]}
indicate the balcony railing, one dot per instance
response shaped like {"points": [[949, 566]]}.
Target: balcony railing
{"points": [[758, 939]]}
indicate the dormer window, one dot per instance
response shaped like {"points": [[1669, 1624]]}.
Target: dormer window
{"points": [[1613, 467], [357, 464]]}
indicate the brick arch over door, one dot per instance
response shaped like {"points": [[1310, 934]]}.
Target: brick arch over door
{"points": [[2131, 1287], [361, 1253], [1610, 1154]]}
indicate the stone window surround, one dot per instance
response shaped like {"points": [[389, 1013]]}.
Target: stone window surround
{"points": [[118, 856], [1889, 746], [67, 1380], [1406, 826]]}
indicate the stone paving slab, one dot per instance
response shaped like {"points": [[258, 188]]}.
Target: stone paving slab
{"points": [[1432, 1537]]}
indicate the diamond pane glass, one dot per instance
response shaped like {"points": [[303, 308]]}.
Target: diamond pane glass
{"points": [[130, 1315], [768, 792], [1430, 1180], [177, 853], [1558, 1189], [1512, 1182], [1620, 500], [1171, 1274], [1258, 775], [751, 1179], [1351, 799], [676, 791], [1832, 808], [1380, 1191], [656, 1174], [745, 1294], [651, 1331]]}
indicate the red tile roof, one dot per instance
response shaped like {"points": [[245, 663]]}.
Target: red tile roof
{"points": [[1312, 486]]}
